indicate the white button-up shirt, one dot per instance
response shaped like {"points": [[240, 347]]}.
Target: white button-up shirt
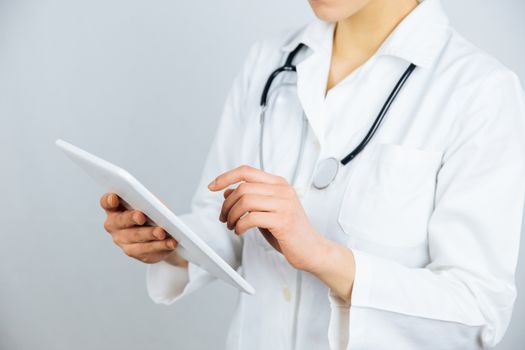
{"points": [[432, 208]]}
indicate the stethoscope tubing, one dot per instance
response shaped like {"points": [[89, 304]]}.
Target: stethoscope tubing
{"points": [[287, 67], [290, 67], [382, 113]]}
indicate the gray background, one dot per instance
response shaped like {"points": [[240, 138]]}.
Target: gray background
{"points": [[140, 83]]}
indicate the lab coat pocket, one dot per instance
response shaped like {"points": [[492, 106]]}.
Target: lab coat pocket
{"points": [[389, 196]]}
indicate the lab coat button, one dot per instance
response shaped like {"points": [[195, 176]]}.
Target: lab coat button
{"points": [[287, 294], [317, 145]]}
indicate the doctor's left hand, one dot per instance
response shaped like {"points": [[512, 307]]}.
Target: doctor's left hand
{"points": [[268, 202]]}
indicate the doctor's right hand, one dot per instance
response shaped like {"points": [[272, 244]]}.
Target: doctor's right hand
{"points": [[149, 244]]}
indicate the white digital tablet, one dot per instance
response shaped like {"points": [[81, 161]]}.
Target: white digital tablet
{"points": [[191, 247]]}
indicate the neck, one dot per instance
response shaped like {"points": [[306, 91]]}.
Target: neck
{"points": [[363, 33]]}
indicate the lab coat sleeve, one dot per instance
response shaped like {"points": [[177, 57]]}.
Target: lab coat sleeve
{"points": [[464, 297], [167, 283]]}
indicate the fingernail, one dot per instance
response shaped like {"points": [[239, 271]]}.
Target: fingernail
{"points": [[172, 244], [109, 200], [212, 184]]}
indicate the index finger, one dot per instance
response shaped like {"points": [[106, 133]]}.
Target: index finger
{"points": [[244, 173]]}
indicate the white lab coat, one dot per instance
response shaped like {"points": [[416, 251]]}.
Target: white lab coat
{"points": [[432, 208]]}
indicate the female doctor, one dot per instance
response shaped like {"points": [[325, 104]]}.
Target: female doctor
{"points": [[368, 174]]}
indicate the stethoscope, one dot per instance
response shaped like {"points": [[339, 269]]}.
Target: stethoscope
{"points": [[328, 168]]}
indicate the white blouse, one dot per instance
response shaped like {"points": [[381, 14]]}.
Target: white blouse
{"points": [[432, 208]]}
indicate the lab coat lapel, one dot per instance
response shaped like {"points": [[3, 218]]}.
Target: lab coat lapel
{"points": [[311, 82]]}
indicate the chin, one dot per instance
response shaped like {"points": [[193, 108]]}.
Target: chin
{"points": [[335, 10]]}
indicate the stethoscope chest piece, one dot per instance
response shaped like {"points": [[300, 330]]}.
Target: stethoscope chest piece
{"points": [[326, 173]]}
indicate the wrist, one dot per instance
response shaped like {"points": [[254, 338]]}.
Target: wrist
{"points": [[335, 267], [325, 254]]}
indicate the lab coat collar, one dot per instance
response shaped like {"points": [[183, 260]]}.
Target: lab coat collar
{"points": [[418, 39]]}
